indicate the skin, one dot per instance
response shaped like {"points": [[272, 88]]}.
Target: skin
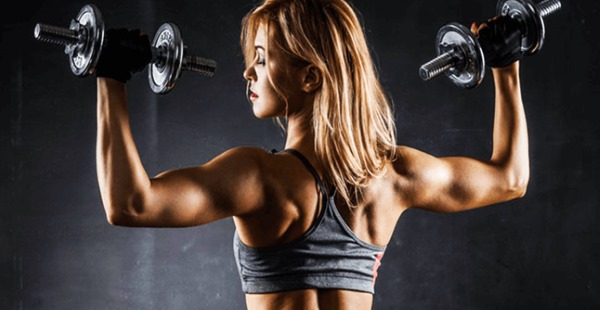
{"points": [[276, 199]]}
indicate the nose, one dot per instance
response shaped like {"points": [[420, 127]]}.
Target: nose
{"points": [[250, 74]]}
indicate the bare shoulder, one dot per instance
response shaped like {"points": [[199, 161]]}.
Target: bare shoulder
{"points": [[240, 167], [250, 152], [419, 176], [411, 162], [237, 178], [242, 158]]}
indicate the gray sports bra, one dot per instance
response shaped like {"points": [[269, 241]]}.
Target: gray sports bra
{"points": [[328, 256]]}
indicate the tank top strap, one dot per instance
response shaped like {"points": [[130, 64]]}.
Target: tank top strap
{"points": [[310, 168]]}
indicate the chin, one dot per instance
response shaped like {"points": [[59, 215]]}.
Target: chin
{"points": [[260, 113], [260, 116], [265, 116]]}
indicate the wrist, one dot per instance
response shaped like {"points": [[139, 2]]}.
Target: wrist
{"points": [[507, 76], [110, 80], [110, 83], [512, 68], [110, 90]]}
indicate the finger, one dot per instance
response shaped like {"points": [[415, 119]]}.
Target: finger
{"points": [[482, 26], [474, 28]]}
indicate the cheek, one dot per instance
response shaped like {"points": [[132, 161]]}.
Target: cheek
{"points": [[269, 107], [281, 77], [272, 104], [269, 103], [274, 92]]}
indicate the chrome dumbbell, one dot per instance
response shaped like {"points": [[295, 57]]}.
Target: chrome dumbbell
{"points": [[169, 58], [460, 57], [459, 53], [84, 38]]}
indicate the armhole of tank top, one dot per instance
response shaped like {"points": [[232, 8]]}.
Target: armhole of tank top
{"points": [[302, 238], [324, 196], [316, 223], [330, 202], [349, 231]]}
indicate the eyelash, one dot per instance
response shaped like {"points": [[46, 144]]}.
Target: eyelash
{"points": [[260, 60]]}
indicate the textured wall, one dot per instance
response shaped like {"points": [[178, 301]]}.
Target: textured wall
{"points": [[58, 252]]}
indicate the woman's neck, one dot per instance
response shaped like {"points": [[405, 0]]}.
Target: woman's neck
{"points": [[300, 135]]}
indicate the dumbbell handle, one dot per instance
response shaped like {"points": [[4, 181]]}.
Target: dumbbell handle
{"points": [[191, 63], [198, 64], [548, 7], [57, 35], [438, 65], [446, 61], [65, 36]]}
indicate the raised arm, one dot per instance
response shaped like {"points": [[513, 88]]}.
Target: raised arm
{"points": [[228, 185], [452, 184], [181, 197]]}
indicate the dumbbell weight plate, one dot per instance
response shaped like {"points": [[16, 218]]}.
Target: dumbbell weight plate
{"points": [[164, 71], [83, 56], [469, 69], [531, 19]]}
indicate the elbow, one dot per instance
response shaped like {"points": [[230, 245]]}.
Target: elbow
{"points": [[520, 189], [119, 218], [517, 185], [114, 219], [122, 214], [123, 208]]}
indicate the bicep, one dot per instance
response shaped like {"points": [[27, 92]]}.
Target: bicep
{"points": [[226, 186]]}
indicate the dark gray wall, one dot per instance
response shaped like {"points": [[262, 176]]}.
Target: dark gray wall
{"points": [[58, 251]]}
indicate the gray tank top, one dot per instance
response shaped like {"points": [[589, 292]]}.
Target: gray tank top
{"points": [[327, 256]]}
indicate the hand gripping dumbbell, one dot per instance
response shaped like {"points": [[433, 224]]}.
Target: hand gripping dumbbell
{"points": [[460, 55], [84, 39]]}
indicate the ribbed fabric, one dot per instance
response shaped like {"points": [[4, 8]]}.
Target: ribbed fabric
{"points": [[328, 256]]}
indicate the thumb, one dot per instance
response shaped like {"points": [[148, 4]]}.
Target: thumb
{"points": [[474, 28]]}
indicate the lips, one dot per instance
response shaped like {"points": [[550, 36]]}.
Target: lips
{"points": [[253, 95], [250, 94]]}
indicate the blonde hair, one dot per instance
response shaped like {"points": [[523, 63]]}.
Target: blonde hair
{"points": [[353, 121]]}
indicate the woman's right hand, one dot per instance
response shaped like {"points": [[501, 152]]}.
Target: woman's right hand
{"points": [[124, 52], [500, 39]]}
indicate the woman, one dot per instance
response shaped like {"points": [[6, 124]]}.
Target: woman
{"points": [[312, 221]]}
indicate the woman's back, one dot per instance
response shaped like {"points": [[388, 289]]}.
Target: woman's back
{"points": [[284, 250], [293, 204]]}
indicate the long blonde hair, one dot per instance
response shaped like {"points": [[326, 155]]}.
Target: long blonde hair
{"points": [[353, 121]]}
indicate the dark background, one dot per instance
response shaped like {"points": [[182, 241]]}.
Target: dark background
{"points": [[59, 252]]}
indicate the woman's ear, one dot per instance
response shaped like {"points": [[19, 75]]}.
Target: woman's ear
{"points": [[312, 79]]}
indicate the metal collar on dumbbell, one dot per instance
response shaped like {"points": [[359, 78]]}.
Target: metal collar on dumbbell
{"points": [[170, 57], [459, 56], [83, 39], [456, 43], [167, 52], [531, 17]]}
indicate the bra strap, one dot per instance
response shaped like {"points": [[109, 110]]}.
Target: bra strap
{"points": [[310, 168]]}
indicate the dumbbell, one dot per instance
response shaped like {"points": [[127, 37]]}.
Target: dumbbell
{"points": [[460, 55], [84, 38], [169, 58]]}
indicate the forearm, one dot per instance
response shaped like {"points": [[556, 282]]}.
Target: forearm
{"points": [[121, 175], [511, 146]]}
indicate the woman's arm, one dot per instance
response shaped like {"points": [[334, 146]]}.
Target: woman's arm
{"points": [[452, 184], [226, 186]]}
